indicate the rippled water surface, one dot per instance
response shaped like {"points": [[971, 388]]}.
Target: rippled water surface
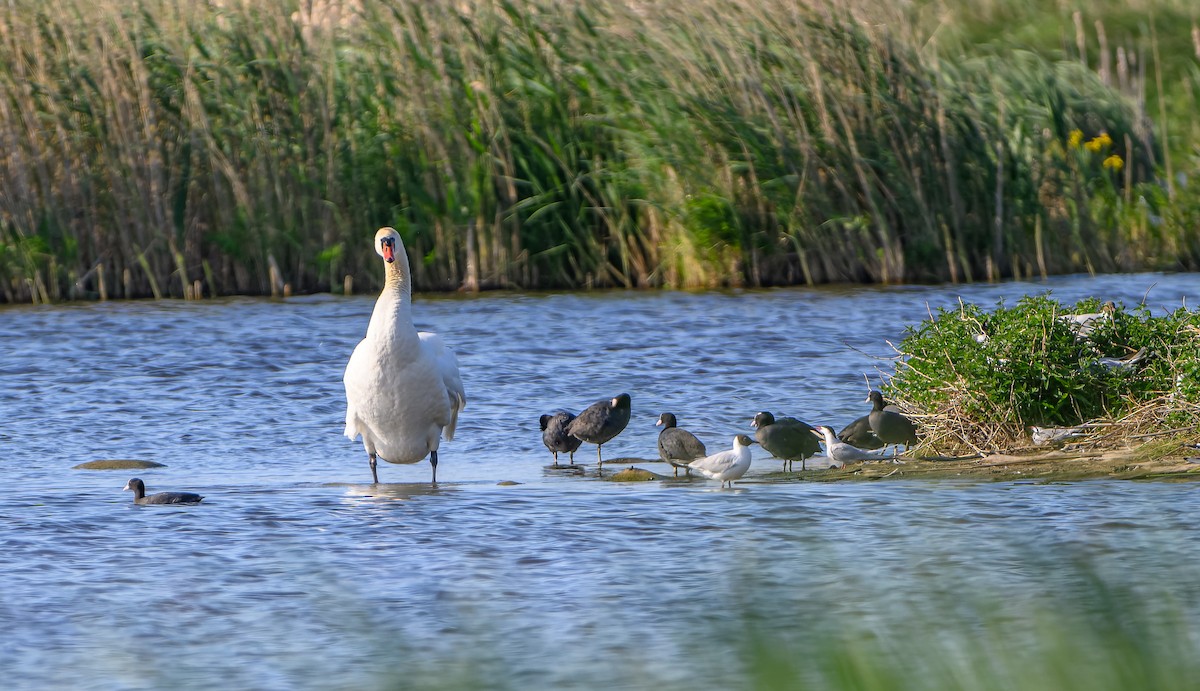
{"points": [[295, 572]]}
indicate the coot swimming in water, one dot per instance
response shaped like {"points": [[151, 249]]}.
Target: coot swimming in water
{"points": [[139, 495]]}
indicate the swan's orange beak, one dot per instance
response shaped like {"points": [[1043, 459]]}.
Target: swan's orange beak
{"points": [[389, 252]]}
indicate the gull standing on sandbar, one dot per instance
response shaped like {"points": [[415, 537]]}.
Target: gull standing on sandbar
{"points": [[726, 466]]}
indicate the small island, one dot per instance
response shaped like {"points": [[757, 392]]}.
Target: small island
{"points": [[1048, 391]]}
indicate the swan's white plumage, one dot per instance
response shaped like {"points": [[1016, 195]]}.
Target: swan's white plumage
{"points": [[403, 387], [447, 365]]}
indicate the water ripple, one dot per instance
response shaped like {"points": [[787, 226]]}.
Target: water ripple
{"points": [[293, 552]]}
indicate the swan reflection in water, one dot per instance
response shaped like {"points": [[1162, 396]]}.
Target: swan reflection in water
{"points": [[397, 490]]}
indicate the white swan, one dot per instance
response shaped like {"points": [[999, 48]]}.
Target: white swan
{"points": [[403, 389]]}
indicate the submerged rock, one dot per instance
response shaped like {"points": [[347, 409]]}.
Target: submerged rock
{"points": [[633, 475], [118, 464]]}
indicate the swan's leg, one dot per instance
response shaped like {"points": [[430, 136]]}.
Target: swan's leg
{"points": [[572, 457], [374, 475], [433, 462]]}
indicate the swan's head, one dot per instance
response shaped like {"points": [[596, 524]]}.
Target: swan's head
{"points": [[743, 440], [386, 242]]}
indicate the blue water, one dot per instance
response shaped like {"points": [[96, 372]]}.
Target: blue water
{"points": [[296, 572]]}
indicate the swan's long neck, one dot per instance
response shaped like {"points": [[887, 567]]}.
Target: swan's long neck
{"points": [[393, 309]]}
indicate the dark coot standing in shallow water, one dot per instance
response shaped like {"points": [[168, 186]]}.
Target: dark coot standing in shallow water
{"points": [[139, 495], [859, 433], [678, 446], [555, 437], [786, 438], [890, 426], [600, 422]]}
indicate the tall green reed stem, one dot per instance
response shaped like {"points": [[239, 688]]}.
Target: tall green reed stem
{"points": [[537, 145]]}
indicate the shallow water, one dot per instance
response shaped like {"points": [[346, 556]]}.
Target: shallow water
{"points": [[296, 572]]}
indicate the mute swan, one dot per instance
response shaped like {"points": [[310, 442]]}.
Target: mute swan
{"points": [[678, 446], [555, 437], [786, 438], [403, 389], [726, 466], [600, 422], [139, 495]]}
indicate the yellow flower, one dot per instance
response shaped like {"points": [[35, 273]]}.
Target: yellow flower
{"points": [[1114, 161], [1075, 139], [1101, 142]]}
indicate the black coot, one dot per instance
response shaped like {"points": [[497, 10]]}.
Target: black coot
{"points": [[786, 438], [139, 495], [555, 437], [678, 446], [890, 426], [600, 422]]}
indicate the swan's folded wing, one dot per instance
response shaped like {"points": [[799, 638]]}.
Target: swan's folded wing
{"points": [[357, 371], [447, 364]]}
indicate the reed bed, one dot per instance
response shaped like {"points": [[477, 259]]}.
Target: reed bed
{"points": [[197, 149]]}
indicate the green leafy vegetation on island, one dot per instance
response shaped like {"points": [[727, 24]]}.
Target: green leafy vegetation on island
{"points": [[979, 379], [159, 149]]}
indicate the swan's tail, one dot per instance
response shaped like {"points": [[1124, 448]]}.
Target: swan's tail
{"points": [[351, 430], [457, 403]]}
